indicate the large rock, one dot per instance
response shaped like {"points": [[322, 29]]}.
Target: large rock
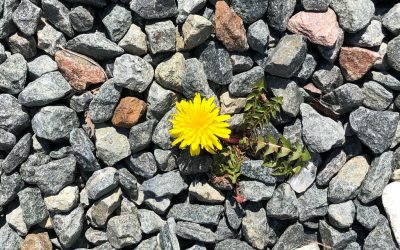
{"points": [[169, 74], [390, 20], [290, 93], [392, 207], [68, 227], [196, 31], [9, 239], [328, 77], [111, 146], [83, 148], [201, 214], [356, 62], [243, 83], [134, 41], [393, 53], [13, 73], [154, 9], [258, 36], [143, 164], [375, 129], [140, 135], [283, 205], [380, 238], [128, 112], [117, 20], [101, 108], [49, 39], [33, 207], [101, 182], [167, 237], [57, 14], [313, 203], [26, 17], [124, 230], [345, 98], [13, 117], [250, 10], [342, 215], [376, 97], [193, 231], [187, 7], [64, 201], [170, 183], [81, 18], [40, 66], [334, 238], [254, 226], [279, 12], [370, 36], [18, 154], [161, 36]]}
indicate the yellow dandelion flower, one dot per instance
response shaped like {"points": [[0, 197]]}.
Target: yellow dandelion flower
{"points": [[197, 124]]}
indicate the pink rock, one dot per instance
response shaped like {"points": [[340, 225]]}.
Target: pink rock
{"points": [[319, 27], [356, 62]]}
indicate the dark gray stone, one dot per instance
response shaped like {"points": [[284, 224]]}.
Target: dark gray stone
{"points": [[375, 129], [345, 98], [61, 152], [283, 205], [250, 11], [255, 190], [166, 159], [58, 15], [81, 19], [54, 122], [193, 231], [32, 205], [292, 238], [7, 26], [201, 214], [353, 15], [288, 56], [393, 53], [9, 239], [241, 63], [101, 108], [154, 9], [7, 140], [254, 225], [159, 101], [13, 72], [333, 164], [342, 215], [258, 36], [18, 154], [243, 83], [140, 135], [370, 36], [224, 231], [124, 230], [13, 117], [101, 182], [315, 5], [161, 136], [167, 237], [376, 97], [313, 203], [216, 62], [26, 17], [232, 244], [150, 222], [367, 216], [94, 45], [279, 12], [22, 44], [328, 77], [143, 164], [68, 226], [128, 183], [133, 72], [307, 69], [189, 165], [386, 80], [83, 148], [95, 3], [253, 169], [377, 178], [44, 90], [187, 7], [117, 20], [41, 65], [3, 55], [9, 187], [233, 212], [80, 103], [380, 238], [334, 238], [170, 183], [194, 80], [161, 36], [390, 20]]}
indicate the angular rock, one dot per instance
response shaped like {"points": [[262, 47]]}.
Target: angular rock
{"points": [[37, 241], [353, 15], [331, 53], [293, 237], [193, 231], [356, 62], [249, 11], [258, 36], [111, 146], [117, 20], [128, 112], [283, 204], [376, 97], [9, 239], [160, 101], [232, 244], [166, 160], [195, 80], [196, 30], [23, 44], [187, 7], [96, 237], [101, 108], [7, 26], [83, 148], [254, 226], [18, 154], [143, 164], [7, 140], [161, 136], [279, 12], [32, 205], [206, 193], [154, 9], [26, 17], [128, 183], [315, 5], [101, 182], [393, 52], [58, 15], [13, 72], [161, 36], [140, 135], [134, 41], [14, 117], [231, 105], [241, 63], [367, 216], [327, 78], [375, 129], [334, 238], [253, 169], [158, 205], [386, 80], [40, 66], [189, 165], [150, 222], [169, 74], [54, 122], [64, 201], [380, 238], [313, 203], [243, 83], [370, 36], [68, 227], [342, 215], [101, 210], [201, 214], [392, 205], [81, 19], [170, 183], [167, 237], [390, 20], [345, 98], [48, 38], [333, 164], [303, 179]]}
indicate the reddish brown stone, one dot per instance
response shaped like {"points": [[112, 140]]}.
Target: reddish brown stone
{"points": [[79, 70], [319, 27], [356, 62], [37, 241], [128, 112], [229, 28]]}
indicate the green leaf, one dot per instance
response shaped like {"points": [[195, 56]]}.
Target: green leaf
{"points": [[285, 142], [283, 153], [306, 155]]}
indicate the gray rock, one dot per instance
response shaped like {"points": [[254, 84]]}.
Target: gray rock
{"points": [[255, 190], [13, 117], [7, 26], [243, 83], [353, 15], [345, 98], [313, 203], [375, 129], [170, 183], [367, 216], [224, 231], [250, 11], [23, 44], [189, 165], [283, 204], [196, 30], [101, 108], [393, 52], [81, 19], [233, 212], [258, 35], [7, 140], [241, 63], [201, 214], [26, 17], [134, 41], [96, 237], [279, 12], [18, 154], [46, 89], [166, 159], [320, 133], [193, 231], [32, 205], [94, 45], [333, 164], [293, 132], [292, 238], [370, 36], [140, 135], [161, 36], [288, 56], [154, 9], [150, 222], [342, 215], [345, 184], [158, 205], [380, 237], [101, 210], [64, 201], [232, 244], [194, 79], [386, 80], [133, 72], [117, 20], [80, 103], [83, 148], [254, 225], [187, 7], [206, 193], [331, 53], [315, 5], [101, 182], [334, 238], [382, 63], [289, 91], [161, 136], [58, 15], [149, 244], [40, 66], [327, 78], [390, 20], [217, 64], [159, 101], [13, 72], [3, 55], [68, 227], [54, 122], [9, 187], [143, 164], [169, 73], [48, 38], [9, 239], [376, 97], [128, 183], [377, 178], [50, 177], [167, 237], [301, 181], [61, 152], [307, 69]]}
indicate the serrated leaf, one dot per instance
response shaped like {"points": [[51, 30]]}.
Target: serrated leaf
{"points": [[286, 143], [306, 155], [283, 153]]}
